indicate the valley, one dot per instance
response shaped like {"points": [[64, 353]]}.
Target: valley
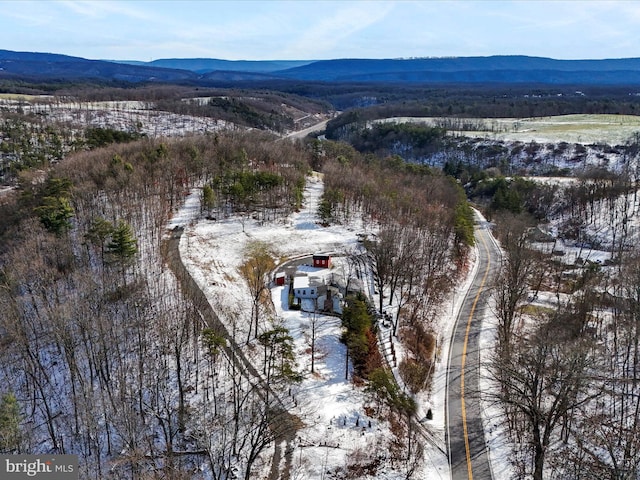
{"points": [[237, 194], [329, 240]]}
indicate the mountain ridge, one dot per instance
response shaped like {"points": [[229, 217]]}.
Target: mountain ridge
{"points": [[207, 65], [506, 69]]}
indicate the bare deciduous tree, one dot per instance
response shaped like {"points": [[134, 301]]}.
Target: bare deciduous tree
{"points": [[255, 271], [543, 381]]}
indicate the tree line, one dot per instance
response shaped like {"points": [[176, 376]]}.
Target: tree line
{"points": [[566, 375], [421, 228], [108, 357], [102, 355]]}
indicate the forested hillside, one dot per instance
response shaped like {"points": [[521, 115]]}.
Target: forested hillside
{"points": [[423, 230], [497, 69], [111, 352], [565, 369], [107, 352], [38, 131], [100, 347]]}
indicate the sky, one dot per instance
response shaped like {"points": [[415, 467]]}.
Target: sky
{"points": [[316, 29]]}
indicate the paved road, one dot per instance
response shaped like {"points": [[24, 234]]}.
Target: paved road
{"points": [[303, 133], [465, 433]]}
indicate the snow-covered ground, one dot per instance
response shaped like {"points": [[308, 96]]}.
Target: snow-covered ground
{"points": [[127, 116], [333, 410], [573, 253], [337, 424], [496, 434], [140, 116], [578, 128], [499, 449]]}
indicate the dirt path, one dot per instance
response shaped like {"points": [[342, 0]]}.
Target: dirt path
{"points": [[171, 254]]}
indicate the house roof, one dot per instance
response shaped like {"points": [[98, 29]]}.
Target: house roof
{"points": [[301, 282], [306, 282]]}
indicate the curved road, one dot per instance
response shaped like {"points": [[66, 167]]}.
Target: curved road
{"points": [[468, 457]]}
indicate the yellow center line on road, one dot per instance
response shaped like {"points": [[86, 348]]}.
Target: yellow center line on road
{"points": [[464, 358]]}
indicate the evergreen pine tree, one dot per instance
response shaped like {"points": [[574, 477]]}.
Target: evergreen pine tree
{"points": [[98, 233], [123, 245]]}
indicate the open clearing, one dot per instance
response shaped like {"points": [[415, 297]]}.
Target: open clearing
{"points": [[578, 128], [24, 97]]}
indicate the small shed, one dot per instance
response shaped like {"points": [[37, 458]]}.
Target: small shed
{"points": [[321, 260], [279, 279]]}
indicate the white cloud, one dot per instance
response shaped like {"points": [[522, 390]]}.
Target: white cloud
{"points": [[336, 28], [27, 14], [252, 29], [100, 9]]}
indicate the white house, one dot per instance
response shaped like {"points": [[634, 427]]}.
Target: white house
{"points": [[303, 287]]}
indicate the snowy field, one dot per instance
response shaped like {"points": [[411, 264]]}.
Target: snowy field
{"points": [[582, 128]]}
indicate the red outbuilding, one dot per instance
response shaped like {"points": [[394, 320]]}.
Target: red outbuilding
{"points": [[321, 260]]}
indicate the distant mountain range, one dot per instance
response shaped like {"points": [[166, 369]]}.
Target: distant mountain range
{"points": [[208, 65], [205, 71], [49, 66], [494, 69]]}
